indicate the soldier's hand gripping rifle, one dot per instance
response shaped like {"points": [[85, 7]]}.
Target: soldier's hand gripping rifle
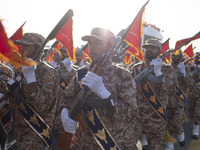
{"points": [[65, 139], [14, 83], [144, 73]]}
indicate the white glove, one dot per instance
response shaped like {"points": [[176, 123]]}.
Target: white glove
{"points": [[69, 125], [157, 63], [181, 67], [29, 73], [54, 64], [96, 85], [3, 103], [198, 66], [68, 64]]}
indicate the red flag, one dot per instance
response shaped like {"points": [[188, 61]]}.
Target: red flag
{"points": [[164, 48], [180, 43], [18, 36], [9, 51], [133, 35], [65, 37], [86, 52], [189, 51], [127, 59]]}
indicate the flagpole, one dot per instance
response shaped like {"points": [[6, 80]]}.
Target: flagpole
{"points": [[53, 33]]}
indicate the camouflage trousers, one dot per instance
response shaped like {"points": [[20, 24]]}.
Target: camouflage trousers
{"points": [[194, 108], [175, 120], [154, 129]]}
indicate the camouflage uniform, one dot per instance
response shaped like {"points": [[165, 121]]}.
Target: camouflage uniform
{"points": [[122, 118], [176, 109], [43, 100], [64, 74], [151, 124], [5, 75], [193, 98]]}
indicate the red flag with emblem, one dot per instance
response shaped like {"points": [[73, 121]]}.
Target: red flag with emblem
{"points": [[189, 51], [9, 51], [164, 48], [133, 35], [18, 36], [66, 38], [186, 41]]}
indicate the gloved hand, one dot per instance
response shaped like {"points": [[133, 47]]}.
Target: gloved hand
{"points": [[157, 63], [198, 66], [54, 64], [29, 73], [3, 103], [181, 67], [68, 64], [69, 125], [96, 85]]}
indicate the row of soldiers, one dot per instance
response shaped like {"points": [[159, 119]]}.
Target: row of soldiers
{"points": [[118, 110]]}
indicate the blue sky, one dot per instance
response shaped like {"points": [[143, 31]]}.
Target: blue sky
{"points": [[178, 19]]}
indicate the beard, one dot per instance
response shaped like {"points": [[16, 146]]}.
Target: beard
{"points": [[149, 55], [175, 61]]}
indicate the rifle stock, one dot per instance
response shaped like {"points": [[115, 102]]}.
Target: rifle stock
{"points": [[66, 138]]}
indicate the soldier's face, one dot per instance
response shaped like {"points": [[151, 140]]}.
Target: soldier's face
{"points": [[151, 52], [176, 58], [28, 51], [97, 48]]}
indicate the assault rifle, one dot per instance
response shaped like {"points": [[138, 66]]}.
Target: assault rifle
{"points": [[188, 60], [46, 54], [118, 57], [144, 73], [76, 107]]}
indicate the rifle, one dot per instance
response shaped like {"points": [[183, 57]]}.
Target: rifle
{"points": [[117, 57], [14, 83], [149, 69], [188, 60], [49, 51], [65, 139]]}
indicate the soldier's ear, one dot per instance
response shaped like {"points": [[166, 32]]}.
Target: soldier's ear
{"points": [[159, 51]]}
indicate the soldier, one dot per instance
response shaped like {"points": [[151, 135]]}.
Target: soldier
{"points": [[66, 71], [176, 105], [153, 93], [5, 113], [113, 125], [34, 101], [79, 58], [193, 76]]}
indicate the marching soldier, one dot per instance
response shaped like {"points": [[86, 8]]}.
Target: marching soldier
{"points": [[153, 93], [5, 112], [177, 104], [66, 71], [111, 125], [193, 77], [34, 101], [79, 58]]}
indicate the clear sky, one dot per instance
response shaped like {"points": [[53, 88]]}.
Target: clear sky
{"points": [[178, 19]]}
